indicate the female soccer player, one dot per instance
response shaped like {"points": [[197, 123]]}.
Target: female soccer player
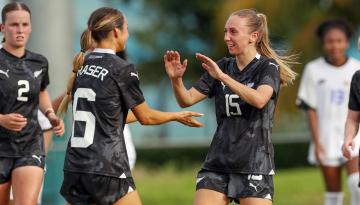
{"points": [[23, 80], [240, 164], [324, 93], [103, 88]]}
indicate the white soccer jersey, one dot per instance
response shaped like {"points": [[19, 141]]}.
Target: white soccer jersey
{"points": [[326, 88]]}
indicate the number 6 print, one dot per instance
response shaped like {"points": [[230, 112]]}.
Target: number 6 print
{"points": [[84, 116]]}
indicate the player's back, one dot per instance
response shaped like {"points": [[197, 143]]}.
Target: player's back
{"points": [[99, 114]]}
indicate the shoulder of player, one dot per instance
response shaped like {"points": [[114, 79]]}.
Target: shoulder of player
{"points": [[36, 57], [354, 62], [122, 65], [269, 63], [315, 66], [356, 76]]}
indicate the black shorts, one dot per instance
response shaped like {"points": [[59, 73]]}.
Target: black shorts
{"points": [[236, 186], [82, 188], [8, 164]]}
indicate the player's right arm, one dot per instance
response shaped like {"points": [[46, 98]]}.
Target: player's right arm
{"points": [[148, 116], [314, 129], [307, 100], [175, 70]]}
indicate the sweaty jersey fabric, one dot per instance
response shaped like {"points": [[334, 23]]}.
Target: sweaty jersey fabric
{"points": [[105, 88], [326, 89], [354, 99], [242, 141], [21, 80]]}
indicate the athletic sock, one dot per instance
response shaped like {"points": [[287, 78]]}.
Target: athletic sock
{"points": [[353, 181], [334, 198]]}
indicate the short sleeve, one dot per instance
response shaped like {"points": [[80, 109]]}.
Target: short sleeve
{"points": [[307, 91], [206, 83], [45, 78], [270, 76], [354, 99], [129, 85]]}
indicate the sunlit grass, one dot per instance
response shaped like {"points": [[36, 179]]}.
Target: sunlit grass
{"points": [[167, 185]]}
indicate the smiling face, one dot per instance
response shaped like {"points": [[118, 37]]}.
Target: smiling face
{"points": [[16, 28], [238, 36], [335, 43]]}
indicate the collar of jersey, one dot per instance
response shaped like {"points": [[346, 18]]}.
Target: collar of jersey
{"points": [[257, 57], [104, 50]]}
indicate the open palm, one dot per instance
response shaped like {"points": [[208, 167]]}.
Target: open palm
{"points": [[174, 67]]}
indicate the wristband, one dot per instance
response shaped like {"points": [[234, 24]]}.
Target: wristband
{"points": [[48, 111]]}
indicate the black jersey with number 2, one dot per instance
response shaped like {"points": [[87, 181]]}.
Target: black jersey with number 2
{"points": [[21, 80], [105, 88], [242, 141]]}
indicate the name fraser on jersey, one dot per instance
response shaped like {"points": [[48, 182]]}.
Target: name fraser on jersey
{"points": [[94, 71]]}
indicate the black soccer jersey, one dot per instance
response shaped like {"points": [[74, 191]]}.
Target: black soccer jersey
{"points": [[105, 88], [242, 141], [354, 99], [21, 80]]}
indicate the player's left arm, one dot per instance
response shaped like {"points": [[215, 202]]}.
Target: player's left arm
{"points": [[47, 108], [256, 97]]}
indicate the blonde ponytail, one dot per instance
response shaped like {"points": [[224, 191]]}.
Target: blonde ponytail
{"points": [[258, 22], [86, 43], [287, 75]]}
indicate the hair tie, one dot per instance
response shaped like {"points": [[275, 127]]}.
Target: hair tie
{"points": [[74, 71], [82, 51]]}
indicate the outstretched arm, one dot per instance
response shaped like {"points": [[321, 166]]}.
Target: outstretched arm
{"points": [[149, 116]]}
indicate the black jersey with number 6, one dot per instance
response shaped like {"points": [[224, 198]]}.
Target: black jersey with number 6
{"points": [[105, 88], [242, 141], [354, 99], [21, 80]]}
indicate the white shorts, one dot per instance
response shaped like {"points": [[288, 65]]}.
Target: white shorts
{"points": [[331, 158], [43, 121]]}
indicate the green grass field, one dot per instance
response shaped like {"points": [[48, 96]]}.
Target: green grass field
{"points": [[177, 187]]}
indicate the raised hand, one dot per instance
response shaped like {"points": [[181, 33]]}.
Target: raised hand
{"points": [[174, 67], [57, 124], [210, 66], [13, 121], [186, 118]]}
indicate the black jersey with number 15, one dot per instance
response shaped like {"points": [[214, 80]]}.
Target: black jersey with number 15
{"points": [[21, 80], [242, 141], [106, 87]]}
